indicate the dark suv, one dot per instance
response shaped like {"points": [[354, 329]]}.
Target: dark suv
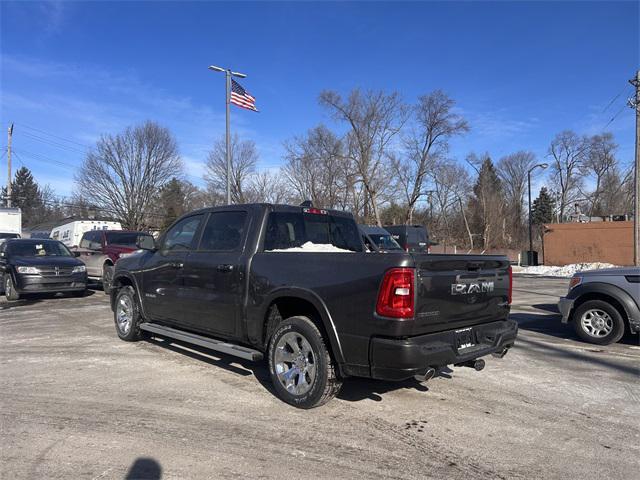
{"points": [[412, 238]]}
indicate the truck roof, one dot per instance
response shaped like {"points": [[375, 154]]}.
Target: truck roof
{"points": [[276, 207]]}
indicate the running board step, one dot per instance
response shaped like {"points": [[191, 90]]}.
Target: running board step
{"points": [[217, 345]]}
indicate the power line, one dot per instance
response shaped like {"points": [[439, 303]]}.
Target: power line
{"points": [[52, 135], [53, 143], [615, 116], [614, 99]]}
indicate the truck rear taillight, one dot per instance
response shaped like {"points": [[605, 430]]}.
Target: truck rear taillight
{"points": [[510, 294], [396, 296]]}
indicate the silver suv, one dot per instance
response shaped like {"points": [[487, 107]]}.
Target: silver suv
{"points": [[602, 304]]}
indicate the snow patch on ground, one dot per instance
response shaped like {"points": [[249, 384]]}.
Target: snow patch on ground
{"points": [[313, 247], [566, 271]]}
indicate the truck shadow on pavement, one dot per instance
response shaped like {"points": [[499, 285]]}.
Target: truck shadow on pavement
{"points": [[353, 390]]}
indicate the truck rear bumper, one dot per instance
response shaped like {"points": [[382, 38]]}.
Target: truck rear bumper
{"points": [[399, 359]]}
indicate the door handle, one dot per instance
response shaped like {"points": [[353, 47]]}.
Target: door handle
{"points": [[176, 265], [224, 267]]}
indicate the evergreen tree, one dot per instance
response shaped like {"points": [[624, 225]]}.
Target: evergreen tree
{"points": [[487, 204], [542, 208], [26, 194], [172, 202]]}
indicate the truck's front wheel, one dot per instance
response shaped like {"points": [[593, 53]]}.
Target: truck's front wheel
{"points": [[127, 315], [302, 371]]}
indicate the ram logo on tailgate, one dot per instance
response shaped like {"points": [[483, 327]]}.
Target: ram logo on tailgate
{"points": [[469, 288]]}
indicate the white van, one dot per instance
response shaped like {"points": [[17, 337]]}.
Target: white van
{"points": [[10, 223], [71, 232]]}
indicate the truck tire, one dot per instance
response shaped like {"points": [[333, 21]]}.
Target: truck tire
{"points": [[107, 278], [126, 315], [302, 370], [9, 288], [599, 322]]}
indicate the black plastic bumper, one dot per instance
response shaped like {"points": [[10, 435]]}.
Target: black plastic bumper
{"points": [[39, 284], [399, 359]]}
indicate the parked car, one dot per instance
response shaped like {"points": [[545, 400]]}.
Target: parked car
{"points": [[39, 266], [412, 238], [603, 304], [70, 232], [377, 239], [295, 285], [101, 249]]}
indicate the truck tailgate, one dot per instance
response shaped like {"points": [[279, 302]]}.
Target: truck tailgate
{"points": [[458, 291]]}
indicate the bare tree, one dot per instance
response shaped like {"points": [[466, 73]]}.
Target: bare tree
{"points": [[123, 172], [269, 186], [451, 187], [318, 169], [487, 203], [436, 123], [374, 119], [568, 152], [512, 170], [244, 157]]}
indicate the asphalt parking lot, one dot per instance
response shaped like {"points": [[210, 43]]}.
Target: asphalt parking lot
{"points": [[79, 403]]}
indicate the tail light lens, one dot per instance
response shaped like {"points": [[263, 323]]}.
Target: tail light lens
{"points": [[510, 294], [396, 296], [574, 282]]}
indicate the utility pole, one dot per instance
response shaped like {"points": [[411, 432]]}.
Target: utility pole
{"points": [[636, 184], [10, 134]]}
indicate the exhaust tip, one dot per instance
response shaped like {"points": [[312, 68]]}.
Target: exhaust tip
{"points": [[428, 375]]}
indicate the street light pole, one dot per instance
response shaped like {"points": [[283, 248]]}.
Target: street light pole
{"points": [[228, 73], [543, 166]]}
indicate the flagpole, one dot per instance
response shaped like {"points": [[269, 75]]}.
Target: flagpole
{"points": [[228, 89], [228, 74]]}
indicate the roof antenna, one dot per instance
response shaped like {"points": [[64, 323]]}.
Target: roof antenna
{"points": [[307, 204]]}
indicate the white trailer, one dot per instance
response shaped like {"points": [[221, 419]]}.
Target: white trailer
{"points": [[10, 223], [71, 232]]}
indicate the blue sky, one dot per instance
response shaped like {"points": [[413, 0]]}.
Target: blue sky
{"points": [[519, 71]]}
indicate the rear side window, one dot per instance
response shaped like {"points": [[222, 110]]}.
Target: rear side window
{"points": [[291, 229], [127, 239], [181, 235], [224, 231], [91, 241]]}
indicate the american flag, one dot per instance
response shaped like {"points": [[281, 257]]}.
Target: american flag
{"points": [[241, 98]]}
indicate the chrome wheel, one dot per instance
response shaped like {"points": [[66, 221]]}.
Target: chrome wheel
{"points": [[596, 323], [124, 314], [295, 363]]}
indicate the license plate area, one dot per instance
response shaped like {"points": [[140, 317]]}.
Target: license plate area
{"points": [[465, 338]]}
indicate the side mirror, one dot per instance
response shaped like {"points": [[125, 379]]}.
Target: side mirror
{"points": [[146, 242], [76, 254]]}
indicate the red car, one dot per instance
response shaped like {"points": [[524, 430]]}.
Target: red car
{"points": [[101, 249]]}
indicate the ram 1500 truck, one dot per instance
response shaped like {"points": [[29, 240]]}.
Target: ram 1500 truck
{"points": [[295, 285]]}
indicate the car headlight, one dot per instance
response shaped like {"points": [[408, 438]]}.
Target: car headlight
{"points": [[28, 270], [79, 269]]}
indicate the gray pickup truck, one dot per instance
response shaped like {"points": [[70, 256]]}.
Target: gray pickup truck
{"points": [[602, 304]]}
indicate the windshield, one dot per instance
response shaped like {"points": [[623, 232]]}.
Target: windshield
{"points": [[28, 248], [385, 242], [129, 239]]}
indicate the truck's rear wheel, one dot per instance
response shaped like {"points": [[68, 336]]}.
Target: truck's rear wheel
{"points": [[127, 315], [302, 371]]}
